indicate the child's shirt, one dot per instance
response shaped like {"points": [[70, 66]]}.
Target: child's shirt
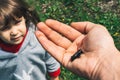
{"points": [[31, 62]]}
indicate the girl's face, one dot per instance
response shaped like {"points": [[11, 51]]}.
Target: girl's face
{"points": [[15, 34]]}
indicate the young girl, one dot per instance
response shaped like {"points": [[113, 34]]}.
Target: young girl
{"points": [[21, 55]]}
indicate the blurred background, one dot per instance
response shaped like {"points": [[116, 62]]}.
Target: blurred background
{"points": [[105, 12]]}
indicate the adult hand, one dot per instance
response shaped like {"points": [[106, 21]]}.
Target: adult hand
{"points": [[100, 57]]}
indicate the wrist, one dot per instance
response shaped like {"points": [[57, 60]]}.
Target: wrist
{"points": [[108, 67]]}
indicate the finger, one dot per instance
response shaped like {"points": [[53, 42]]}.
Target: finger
{"points": [[54, 36], [64, 29], [76, 45], [50, 46], [83, 27]]}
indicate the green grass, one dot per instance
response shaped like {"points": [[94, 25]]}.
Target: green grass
{"points": [[68, 11]]}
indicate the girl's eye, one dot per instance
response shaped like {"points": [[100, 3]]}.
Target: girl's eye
{"points": [[5, 28], [18, 22]]}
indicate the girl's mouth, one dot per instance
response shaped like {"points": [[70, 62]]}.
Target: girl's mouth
{"points": [[16, 38]]}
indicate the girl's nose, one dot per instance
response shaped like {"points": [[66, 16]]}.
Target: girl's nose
{"points": [[13, 32]]}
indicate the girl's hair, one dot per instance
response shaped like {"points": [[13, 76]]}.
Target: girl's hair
{"points": [[12, 10]]}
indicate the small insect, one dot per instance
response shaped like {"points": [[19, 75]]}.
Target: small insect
{"points": [[76, 55]]}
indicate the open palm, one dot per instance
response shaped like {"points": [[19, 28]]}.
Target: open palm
{"points": [[62, 41]]}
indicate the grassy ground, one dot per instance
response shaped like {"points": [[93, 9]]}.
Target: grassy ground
{"points": [[105, 12]]}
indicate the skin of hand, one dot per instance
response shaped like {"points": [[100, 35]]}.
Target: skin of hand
{"points": [[54, 78], [100, 58]]}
